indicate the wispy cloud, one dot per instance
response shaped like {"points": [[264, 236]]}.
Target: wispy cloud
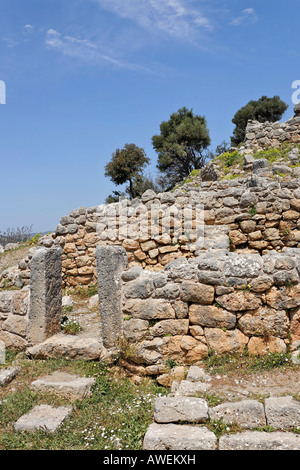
{"points": [[176, 18], [9, 42], [87, 51], [248, 14]]}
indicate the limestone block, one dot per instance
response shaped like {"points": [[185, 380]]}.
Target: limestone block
{"points": [[265, 319], [282, 412], [175, 409], [44, 318], [111, 262], [179, 437], [210, 316], [197, 293], [149, 309], [247, 414], [231, 341], [239, 301], [65, 385], [255, 440], [43, 417]]}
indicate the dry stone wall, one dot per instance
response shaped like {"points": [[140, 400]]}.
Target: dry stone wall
{"points": [[260, 213], [14, 308], [268, 134], [218, 302]]}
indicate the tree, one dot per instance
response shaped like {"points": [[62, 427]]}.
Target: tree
{"points": [[125, 166], [262, 110], [181, 145]]}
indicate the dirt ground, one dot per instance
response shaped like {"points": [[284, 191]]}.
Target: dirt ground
{"points": [[277, 382], [12, 257]]}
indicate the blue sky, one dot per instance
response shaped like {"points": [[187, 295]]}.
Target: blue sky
{"points": [[84, 77]]}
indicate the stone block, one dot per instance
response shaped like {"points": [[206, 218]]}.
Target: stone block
{"points": [[247, 414], [43, 417], [282, 412], [149, 309], [65, 385], [197, 293], [111, 262], [176, 409], [179, 437], [44, 318], [210, 316], [255, 440]]}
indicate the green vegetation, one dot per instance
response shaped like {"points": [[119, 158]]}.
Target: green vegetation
{"points": [[262, 110], [246, 363], [116, 416], [252, 209], [70, 326], [181, 145], [127, 165], [229, 159]]}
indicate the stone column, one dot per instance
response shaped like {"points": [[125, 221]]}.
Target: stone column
{"points": [[111, 262], [44, 318]]}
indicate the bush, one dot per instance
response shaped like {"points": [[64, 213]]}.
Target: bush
{"points": [[16, 235]]}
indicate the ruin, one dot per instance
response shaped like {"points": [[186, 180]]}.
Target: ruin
{"points": [[212, 266]]}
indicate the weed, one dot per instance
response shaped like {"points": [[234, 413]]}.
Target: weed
{"points": [[70, 326], [252, 209]]}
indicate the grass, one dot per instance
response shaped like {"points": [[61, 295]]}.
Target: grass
{"points": [[116, 416], [247, 364]]}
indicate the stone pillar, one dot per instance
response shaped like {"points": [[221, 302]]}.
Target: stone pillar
{"points": [[111, 262], [44, 318]]}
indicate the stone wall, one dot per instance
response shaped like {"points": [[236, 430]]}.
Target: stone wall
{"points": [[268, 134], [14, 308], [218, 302], [259, 212]]}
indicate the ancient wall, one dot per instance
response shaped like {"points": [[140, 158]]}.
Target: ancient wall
{"points": [[268, 134], [219, 302], [14, 307], [261, 212]]}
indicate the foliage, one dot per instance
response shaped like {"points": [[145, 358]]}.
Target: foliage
{"points": [[16, 235], [181, 145], [229, 158], [127, 165], [116, 416], [92, 290], [70, 326], [247, 363], [262, 110]]}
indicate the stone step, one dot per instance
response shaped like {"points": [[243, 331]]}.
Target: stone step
{"points": [[255, 440], [187, 437], [65, 385], [43, 417], [282, 413], [179, 437]]}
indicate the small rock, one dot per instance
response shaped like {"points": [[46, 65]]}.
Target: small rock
{"points": [[7, 375], [197, 374], [94, 301], [67, 301]]}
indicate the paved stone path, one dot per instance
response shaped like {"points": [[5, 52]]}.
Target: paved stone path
{"points": [[180, 420]]}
